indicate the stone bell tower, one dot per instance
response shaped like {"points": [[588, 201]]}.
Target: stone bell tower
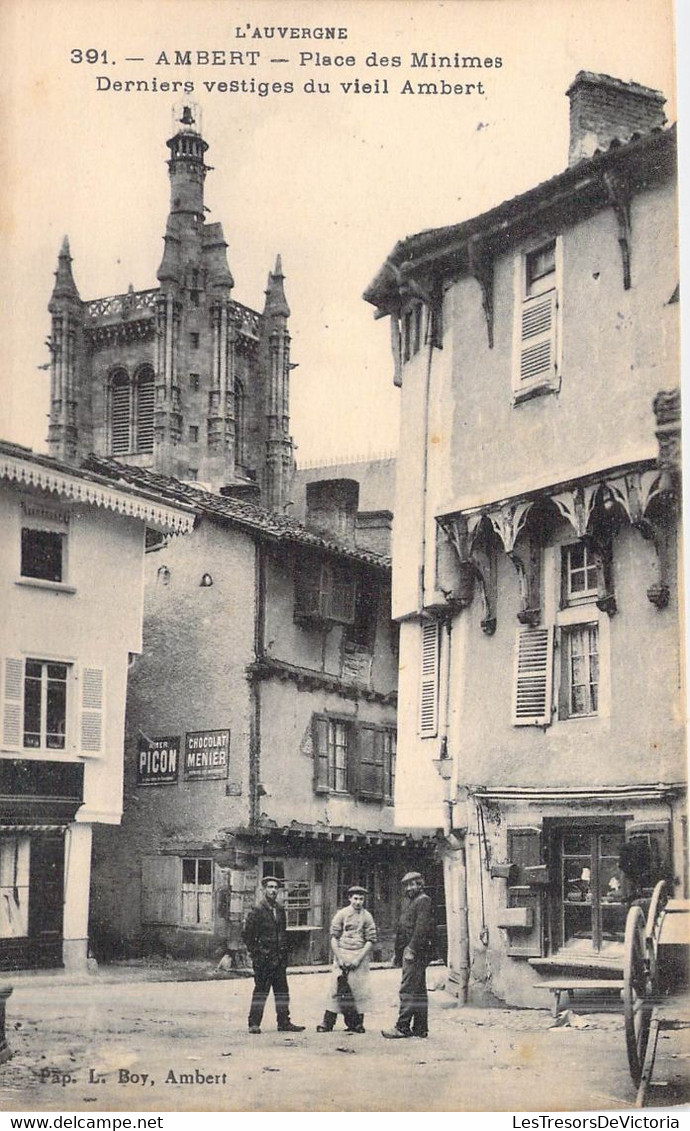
{"points": [[179, 378]]}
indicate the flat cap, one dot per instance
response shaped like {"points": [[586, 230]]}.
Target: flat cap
{"points": [[273, 880], [357, 890], [412, 876]]}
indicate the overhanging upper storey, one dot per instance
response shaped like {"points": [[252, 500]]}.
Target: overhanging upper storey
{"points": [[595, 505]]}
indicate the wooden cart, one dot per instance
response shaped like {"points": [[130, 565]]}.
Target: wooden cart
{"points": [[656, 997]]}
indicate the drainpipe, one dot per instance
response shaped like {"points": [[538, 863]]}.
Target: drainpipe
{"points": [[456, 888], [255, 684], [425, 468]]}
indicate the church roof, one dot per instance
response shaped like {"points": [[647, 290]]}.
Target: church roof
{"points": [[270, 525]]}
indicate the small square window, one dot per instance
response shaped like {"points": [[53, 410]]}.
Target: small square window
{"points": [[193, 433], [539, 265], [194, 382], [580, 574], [42, 554]]}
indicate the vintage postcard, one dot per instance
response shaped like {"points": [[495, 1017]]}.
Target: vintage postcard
{"points": [[342, 761]]}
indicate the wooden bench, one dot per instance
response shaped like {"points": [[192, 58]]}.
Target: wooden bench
{"points": [[565, 985], [5, 1053]]}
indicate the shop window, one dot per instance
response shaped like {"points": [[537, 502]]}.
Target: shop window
{"points": [[197, 892], [592, 898], [536, 367], [14, 887], [36, 705], [302, 882], [325, 591], [177, 891]]}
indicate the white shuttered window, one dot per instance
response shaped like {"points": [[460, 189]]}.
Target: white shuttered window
{"points": [[428, 690], [533, 681]]}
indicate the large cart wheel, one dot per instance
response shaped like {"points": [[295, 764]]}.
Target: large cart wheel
{"points": [[652, 932], [636, 992]]}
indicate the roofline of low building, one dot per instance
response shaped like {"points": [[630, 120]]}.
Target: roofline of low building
{"points": [[267, 525], [581, 188], [30, 469]]}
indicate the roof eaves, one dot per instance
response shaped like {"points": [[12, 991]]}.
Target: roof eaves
{"points": [[447, 245]]}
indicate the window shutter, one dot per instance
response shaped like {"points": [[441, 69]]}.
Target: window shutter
{"points": [[538, 338], [428, 698], [161, 889], [13, 694], [92, 705], [370, 762], [533, 677], [524, 851], [307, 588], [145, 407], [340, 603], [320, 728], [120, 411]]}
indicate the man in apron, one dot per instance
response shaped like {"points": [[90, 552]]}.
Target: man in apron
{"points": [[353, 934]]}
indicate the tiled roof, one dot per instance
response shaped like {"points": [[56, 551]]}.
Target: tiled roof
{"points": [[644, 156], [246, 516]]}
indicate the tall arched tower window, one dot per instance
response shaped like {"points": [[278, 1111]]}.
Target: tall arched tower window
{"points": [[120, 413], [240, 424], [145, 396]]}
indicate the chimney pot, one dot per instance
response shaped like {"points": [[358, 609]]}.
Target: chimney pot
{"points": [[605, 109], [332, 508]]}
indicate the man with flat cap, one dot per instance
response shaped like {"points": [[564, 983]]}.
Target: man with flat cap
{"points": [[266, 940], [353, 934], [413, 946]]}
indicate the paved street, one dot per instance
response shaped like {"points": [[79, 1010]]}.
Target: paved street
{"points": [[124, 1045]]}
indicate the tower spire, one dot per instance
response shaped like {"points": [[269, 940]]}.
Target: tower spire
{"points": [[276, 303], [65, 287], [187, 170]]}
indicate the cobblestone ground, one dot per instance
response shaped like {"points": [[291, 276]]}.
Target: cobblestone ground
{"points": [[183, 1046]]}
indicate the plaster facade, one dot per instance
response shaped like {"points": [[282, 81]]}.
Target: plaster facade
{"points": [[308, 699], [71, 595], [535, 558]]}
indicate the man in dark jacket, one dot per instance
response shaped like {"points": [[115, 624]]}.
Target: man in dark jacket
{"points": [[266, 940], [413, 945]]}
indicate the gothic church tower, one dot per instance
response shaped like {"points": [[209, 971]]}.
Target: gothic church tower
{"points": [[181, 378]]}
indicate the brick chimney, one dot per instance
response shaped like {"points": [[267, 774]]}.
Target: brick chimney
{"points": [[604, 109], [332, 508]]}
